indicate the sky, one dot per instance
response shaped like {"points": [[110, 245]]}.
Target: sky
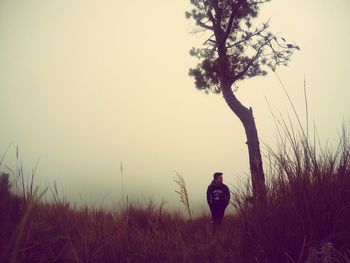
{"points": [[86, 85]]}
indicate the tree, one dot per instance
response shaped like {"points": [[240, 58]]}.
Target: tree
{"points": [[234, 51]]}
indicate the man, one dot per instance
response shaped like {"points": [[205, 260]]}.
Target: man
{"points": [[218, 198]]}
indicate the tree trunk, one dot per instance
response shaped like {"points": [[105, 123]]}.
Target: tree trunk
{"points": [[255, 161], [246, 117]]}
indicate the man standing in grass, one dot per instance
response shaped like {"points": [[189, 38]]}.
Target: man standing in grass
{"points": [[218, 198]]}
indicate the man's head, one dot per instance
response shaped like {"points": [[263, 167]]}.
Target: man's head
{"points": [[218, 177]]}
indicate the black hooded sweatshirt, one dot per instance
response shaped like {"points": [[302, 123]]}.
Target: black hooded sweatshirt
{"points": [[218, 194]]}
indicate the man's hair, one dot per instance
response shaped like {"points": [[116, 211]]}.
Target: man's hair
{"points": [[217, 174]]}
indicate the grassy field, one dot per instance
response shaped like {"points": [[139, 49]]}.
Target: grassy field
{"points": [[307, 219]]}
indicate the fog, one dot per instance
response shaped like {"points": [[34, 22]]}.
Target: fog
{"points": [[86, 86]]}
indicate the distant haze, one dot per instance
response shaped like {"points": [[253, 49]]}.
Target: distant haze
{"points": [[88, 84]]}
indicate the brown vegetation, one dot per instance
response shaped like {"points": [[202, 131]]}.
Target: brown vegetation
{"points": [[307, 218]]}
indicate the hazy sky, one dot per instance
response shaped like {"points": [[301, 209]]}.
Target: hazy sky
{"points": [[87, 84]]}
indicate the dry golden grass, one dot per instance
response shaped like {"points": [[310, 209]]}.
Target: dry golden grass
{"points": [[306, 219]]}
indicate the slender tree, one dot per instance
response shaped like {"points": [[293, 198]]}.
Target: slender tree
{"points": [[233, 51]]}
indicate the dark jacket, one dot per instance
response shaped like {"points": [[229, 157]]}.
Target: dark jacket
{"points": [[218, 194]]}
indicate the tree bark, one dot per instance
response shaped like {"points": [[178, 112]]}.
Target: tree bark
{"points": [[255, 161]]}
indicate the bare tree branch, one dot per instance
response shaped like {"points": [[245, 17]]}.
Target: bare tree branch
{"points": [[257, 32], [218, 12], [232, 16], [245, 70], [201, 24]]}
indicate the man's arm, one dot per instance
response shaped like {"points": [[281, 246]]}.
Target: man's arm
{"points": [[228, 196], [209, 196]]}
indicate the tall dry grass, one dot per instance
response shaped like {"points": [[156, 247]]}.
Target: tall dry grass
{"points": [[308, 202], [306, 219], [183, 193]]}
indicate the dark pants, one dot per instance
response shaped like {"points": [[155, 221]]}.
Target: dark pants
{"points": [[217, 213]]}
